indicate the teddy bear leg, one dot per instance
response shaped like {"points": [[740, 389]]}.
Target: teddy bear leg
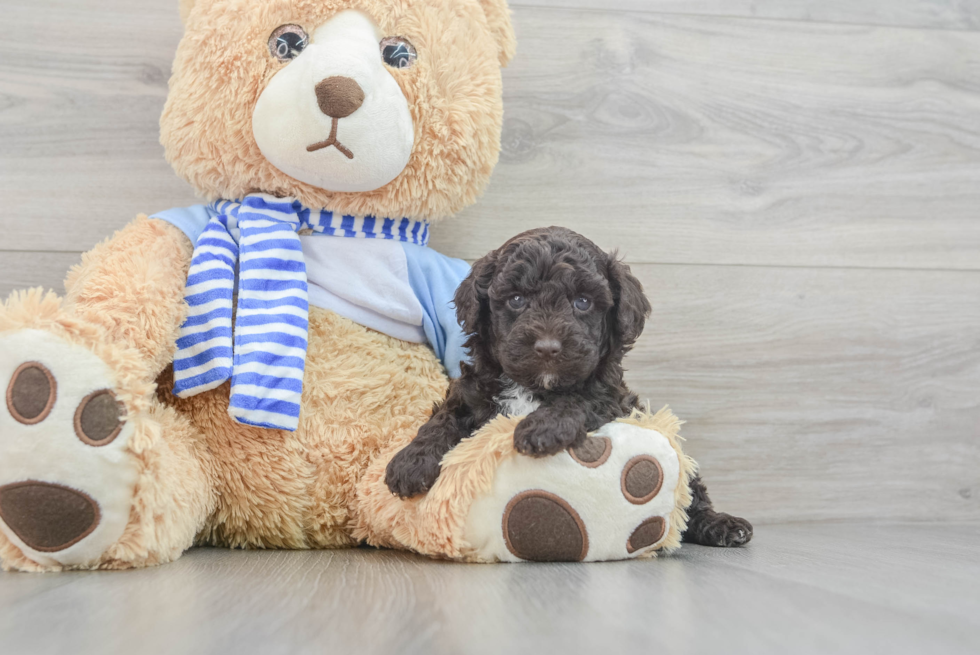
{"points": [[94, 471], [622, 494]]}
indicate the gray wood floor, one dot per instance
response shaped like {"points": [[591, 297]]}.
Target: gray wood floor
{"points": [[804, 588]]}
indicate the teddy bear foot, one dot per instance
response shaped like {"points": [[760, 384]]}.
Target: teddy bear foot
{"points": [[66, 478], [621, 494], [610, 498]]}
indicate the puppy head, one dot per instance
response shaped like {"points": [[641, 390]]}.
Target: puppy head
{"points": [[381, 107], [550, 309]]}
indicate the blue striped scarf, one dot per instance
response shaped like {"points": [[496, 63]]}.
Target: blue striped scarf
{"points": [[265, 354]]}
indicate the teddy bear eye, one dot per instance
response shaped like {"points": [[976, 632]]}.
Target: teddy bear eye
{"points": [[516, 302], [582, 304], [398, 52], [287, 41]]}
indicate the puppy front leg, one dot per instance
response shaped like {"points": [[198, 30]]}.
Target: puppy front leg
{"points": [[415, 468], [551, 428]]}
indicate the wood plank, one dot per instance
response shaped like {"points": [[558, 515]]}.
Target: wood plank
{"points": [[937, 14], [686, 139], [699, 140], [79, 121], [815, 394], [810, 394], [25, 270], [797, 588]]}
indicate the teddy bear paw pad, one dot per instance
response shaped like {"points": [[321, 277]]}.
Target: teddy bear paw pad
{"points": [[592, 452], [610, 497], [66, 475], [542, 527]]}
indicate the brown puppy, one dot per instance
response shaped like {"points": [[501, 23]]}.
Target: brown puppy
{"points": [[549, 317]]}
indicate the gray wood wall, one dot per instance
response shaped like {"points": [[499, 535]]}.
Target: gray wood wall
{"points": [[796, 182]]}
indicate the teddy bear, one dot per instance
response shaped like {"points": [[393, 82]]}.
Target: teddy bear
{"points": [[239, 373]]}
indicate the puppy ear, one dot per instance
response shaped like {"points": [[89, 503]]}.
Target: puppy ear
{"points": [[498, 18], [631, 307], [472, 299]]}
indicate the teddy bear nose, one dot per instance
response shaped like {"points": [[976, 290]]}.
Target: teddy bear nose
{"points": [[547, 348], [338, 96]]}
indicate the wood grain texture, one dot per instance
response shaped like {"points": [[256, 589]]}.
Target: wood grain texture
{"points": [[702, 140], [820, 588], [687, 139], [25, 270], [938, 14], [815, 393]]}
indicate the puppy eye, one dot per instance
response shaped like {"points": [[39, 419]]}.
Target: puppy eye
{"points": [[517, 302], [398, 52], [287, 41], [582, 304]]}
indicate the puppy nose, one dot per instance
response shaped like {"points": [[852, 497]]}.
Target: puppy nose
{"points": [[547, 347], [339, 97]]}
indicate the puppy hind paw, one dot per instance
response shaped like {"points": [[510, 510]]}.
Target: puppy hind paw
{"points": [[719, 529]]}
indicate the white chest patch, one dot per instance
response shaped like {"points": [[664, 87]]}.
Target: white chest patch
{"points": [[516, 400]]}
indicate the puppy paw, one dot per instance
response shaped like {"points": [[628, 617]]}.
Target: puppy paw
{"points": [[720, 530], [538, 435], [411, 473]]}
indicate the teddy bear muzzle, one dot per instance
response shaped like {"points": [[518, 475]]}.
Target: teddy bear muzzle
{"points": [[334, 116], [48, 517]]}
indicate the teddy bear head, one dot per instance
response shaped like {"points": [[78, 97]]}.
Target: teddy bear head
{"points": [[366, 107]]}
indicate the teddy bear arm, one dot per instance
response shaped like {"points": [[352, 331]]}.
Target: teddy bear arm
{"points": [[132, 284]]}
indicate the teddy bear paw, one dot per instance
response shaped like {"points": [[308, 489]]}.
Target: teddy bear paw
{"points": [[610, 497], [66, 476]]}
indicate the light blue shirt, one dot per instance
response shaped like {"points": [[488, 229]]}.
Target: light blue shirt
{"points": [[398, 288]]}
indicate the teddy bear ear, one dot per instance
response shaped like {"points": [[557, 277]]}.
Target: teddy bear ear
{"points": [[185, 9], [498, 17]]}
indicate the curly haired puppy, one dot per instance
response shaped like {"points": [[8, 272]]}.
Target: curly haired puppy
{"points": [[549, 316]]}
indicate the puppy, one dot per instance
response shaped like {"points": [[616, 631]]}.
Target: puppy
{"points": [[549, 317]]}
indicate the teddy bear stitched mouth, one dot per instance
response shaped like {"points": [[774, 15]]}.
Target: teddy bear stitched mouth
{"points": [[331, 141]]}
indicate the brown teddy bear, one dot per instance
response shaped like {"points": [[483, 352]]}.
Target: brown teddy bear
{"points": [[327, 135]]}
